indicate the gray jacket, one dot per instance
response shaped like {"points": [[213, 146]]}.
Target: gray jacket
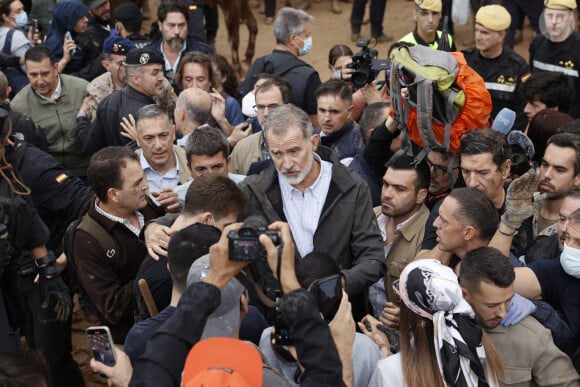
{"points": [[347, 229]]}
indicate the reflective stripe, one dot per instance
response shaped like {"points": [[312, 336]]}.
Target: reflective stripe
{"points": [[500, 87], [554, 68]]}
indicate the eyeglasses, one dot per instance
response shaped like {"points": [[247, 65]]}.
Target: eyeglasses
{"points": [[261, 108], [438, 170]]}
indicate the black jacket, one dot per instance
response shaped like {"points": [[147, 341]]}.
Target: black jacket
{"points": [[58, 197], [163, 361], [106, 129], [191, 44], [302, 77]]}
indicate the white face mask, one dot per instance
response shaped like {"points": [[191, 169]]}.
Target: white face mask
{"points": [[570, 260], [307, 47], [248, 103], [337, 74]]}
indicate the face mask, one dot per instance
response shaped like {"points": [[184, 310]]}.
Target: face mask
{"points": [[337, 74], [307, 47], [21, 20], [570, 260], [248, 103]]}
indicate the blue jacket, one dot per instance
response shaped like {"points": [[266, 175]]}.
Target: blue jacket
{"points": [[64, 16]]}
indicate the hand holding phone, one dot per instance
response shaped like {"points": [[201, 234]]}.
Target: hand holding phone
{"points": [[101, 343], [67, 37], [328, 293]]}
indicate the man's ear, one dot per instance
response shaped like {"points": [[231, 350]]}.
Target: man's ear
{"points": [[349, 111], [206, 218], [505, 169], [469, 233], [112, 195], [465, 293], [577, 180], [421, 196], [106, 64], [314, 140]]}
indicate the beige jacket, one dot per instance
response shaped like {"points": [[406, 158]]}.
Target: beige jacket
{"points": [[530, 356]]}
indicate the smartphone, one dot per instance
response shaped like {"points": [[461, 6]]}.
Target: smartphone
{"points": [[101, 343], [282, 334], [68, 36], [328, 293]]}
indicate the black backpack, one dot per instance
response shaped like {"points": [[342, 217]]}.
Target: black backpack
{"points": [[16, 78]]}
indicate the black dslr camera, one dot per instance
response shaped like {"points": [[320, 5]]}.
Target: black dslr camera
{"points": [[366, 64], [244, 243]]}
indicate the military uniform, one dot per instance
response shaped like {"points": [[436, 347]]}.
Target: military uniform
{"points": [[563, 57], [503, 77]]}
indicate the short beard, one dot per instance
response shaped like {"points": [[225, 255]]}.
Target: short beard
{"points": [[176, 44], [303, 173]]}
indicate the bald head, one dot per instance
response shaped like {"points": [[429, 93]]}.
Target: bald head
{"points": [[193, 109]]}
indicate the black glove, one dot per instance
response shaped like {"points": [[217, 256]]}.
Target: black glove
{"points": [[56, 300]]}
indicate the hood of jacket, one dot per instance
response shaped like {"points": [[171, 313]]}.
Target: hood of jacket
{"points": [[66, 13]]}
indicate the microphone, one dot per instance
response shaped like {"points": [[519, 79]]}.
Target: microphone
{"points": [[517, 138], [504, 121]]}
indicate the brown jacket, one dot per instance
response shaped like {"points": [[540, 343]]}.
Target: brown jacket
{"points": [[108, 282]]}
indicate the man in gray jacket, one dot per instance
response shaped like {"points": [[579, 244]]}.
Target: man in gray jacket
{"points": [[327, 206]]}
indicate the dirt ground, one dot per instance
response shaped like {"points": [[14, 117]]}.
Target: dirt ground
{"points": [[330, 29]]}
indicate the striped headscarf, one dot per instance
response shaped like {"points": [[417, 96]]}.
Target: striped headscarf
{"points": [[431, 290]]}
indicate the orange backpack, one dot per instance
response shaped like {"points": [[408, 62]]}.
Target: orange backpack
{"points": [[445, 98]]}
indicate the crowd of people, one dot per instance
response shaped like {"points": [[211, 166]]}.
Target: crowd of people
{"points": [[285, 230]]}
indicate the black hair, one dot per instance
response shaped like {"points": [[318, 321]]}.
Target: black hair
{"points": [[335, 87], [485, 264], [568, 140], [104, 170], [550, 88], [171, 6], [475, 208], [484, 140], [39, 53], [186, 246], [404, 162], [216, 194]]}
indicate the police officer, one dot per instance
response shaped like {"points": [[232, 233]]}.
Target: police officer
{"points": [[27, 308], [557, 47], [501, 68], [427, 15]]}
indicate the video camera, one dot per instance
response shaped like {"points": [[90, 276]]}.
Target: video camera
{"points": [[244, 244], [366, 64]]}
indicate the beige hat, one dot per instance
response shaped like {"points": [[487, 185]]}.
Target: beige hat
{"points": [[493, 17], [560, 4], [429, 5]]}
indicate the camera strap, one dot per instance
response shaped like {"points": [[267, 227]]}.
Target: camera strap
{"points": [[251, 283]]}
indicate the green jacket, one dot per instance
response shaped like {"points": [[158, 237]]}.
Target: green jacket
{"points": [[58, 120]]}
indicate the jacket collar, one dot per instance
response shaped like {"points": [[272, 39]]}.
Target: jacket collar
{"points": [[341, 182]]}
